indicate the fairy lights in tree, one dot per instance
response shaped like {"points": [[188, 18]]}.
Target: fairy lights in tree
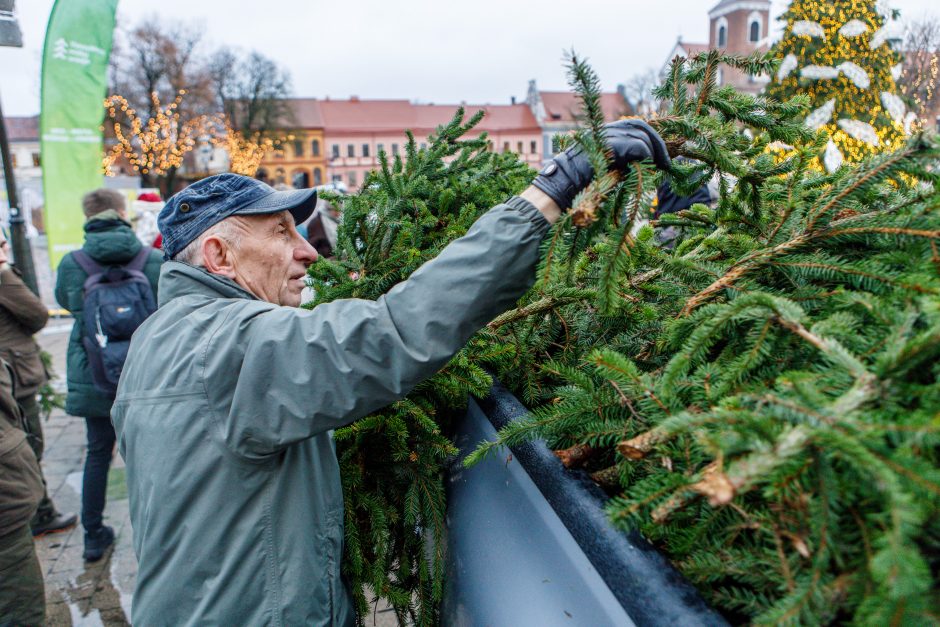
{"points": [[152, 146], [838, 53], [246, 151]]}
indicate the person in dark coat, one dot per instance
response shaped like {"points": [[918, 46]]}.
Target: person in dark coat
{"points": [[22, 314], [109, 240]]}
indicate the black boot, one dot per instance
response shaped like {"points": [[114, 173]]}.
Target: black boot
{"points": [[95, 546]]}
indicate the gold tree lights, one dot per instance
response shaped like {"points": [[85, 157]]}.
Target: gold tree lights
{"points": [[245, 151], [838, 53], [153, 146]]}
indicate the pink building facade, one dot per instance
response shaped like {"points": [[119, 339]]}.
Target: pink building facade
{"points": [[355, 131]]}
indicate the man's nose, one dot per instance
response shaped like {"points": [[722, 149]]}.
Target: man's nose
{"points": [[305, 252]]}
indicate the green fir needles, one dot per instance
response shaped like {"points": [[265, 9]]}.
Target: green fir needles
{"points": [[761, 400], [391, 461]]}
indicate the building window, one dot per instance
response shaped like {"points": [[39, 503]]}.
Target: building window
{"points": [[36, 161], [13, 159], [489, 145], [337, 178], [505, 146], [300, 179], [298, 148], [350, 150], [365, 150], [533, 147], [755, 32], [519, 147], [423, 146], [352, 179], [721, 32], [379, 148], [315, 148], [395, 150], [317, 176], [336, 151]]}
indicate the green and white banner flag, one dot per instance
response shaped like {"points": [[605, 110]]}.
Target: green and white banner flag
{"points": [[74, 84]]}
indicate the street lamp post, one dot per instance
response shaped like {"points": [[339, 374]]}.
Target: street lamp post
{"points": [[11, 36]]}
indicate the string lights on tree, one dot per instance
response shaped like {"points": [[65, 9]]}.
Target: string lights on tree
{"points": [[152, 146], [246, 152], [839, 54]]}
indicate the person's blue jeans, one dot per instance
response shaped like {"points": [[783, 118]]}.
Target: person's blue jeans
{"points": [[95, 480]]}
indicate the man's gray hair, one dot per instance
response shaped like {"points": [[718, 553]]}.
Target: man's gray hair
{"points": [[192, 253], [101, 200]]}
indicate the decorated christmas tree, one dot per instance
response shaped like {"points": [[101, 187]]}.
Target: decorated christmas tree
{"points": [[838, 53]]}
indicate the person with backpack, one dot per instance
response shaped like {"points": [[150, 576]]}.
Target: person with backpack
{"points": [[22, 314], [109, 286]]}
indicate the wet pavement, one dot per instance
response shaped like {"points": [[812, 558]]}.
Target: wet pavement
{"points": [[78, 593]]}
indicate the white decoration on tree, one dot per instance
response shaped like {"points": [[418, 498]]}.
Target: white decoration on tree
{"points": [[856, 74], [819, 71], [779, 145], [896, 71], [862, 131], [909, 120], [788, 64], [821, 115], [809, 28], [832, 158], [893, 105], [880, 36], [853, 28]]}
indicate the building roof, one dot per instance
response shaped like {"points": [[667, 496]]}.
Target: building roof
{"points": [[562, 106], [693, 49], [306, 113], [388, 116], [22, 129], [727, 6]]}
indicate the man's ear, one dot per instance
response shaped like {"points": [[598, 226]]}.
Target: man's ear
{"points": [[218, 257]]}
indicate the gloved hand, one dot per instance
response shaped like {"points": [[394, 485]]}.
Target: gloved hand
{"points": [[571, 171]]}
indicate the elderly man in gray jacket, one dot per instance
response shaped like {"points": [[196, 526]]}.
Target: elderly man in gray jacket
{"points": [[230, 392]]}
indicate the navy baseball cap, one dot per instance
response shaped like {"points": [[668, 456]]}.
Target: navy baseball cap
{"points": [[191, 211]]}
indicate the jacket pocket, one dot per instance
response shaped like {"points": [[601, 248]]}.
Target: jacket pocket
{"points": [[28, 368]]}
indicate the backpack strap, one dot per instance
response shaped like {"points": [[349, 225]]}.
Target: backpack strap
{"points": [[86, 263], [139, 261]]}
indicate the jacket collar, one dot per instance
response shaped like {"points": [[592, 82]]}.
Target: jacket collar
{"points": [[181, 279]]}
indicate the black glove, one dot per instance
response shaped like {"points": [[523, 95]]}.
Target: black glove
{"points": [[571, 171]]}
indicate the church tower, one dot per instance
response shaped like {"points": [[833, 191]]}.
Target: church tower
{"points": [[740, 27]]}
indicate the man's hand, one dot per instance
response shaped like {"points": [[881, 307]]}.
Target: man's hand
{"points": [[571, 171]]}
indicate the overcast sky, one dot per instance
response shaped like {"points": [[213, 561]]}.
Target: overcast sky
{"points": [[441, 51]]}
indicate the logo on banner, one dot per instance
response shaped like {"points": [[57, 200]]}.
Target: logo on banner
{"points": [[74, 51]]}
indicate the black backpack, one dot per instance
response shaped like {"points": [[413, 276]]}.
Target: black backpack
{"points": [[117, 299]]}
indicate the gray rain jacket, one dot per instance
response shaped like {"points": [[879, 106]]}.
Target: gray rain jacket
{"points": [[224, 415]]}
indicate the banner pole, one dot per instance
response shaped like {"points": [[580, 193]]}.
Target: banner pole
{"points": [[22, 253]]}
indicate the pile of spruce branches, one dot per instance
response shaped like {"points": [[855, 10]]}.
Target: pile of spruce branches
{"points": [[761, 400]]}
